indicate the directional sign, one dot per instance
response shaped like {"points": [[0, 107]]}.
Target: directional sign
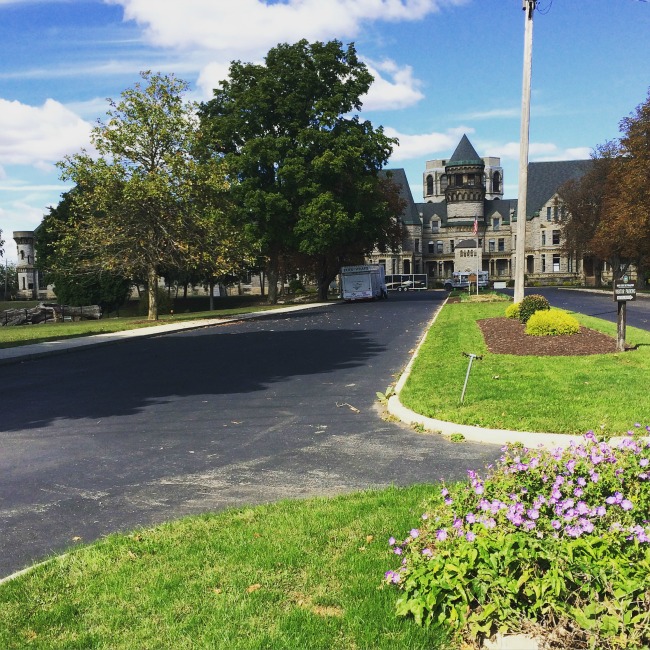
{"points": [[624, 290]]}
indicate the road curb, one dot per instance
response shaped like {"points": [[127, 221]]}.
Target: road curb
{"points": [[66, 346], [469, 432]]}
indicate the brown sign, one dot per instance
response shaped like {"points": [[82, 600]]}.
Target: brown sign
{"points": [[624, 290]]}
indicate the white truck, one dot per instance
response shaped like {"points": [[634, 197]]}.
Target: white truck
{"points": [[363, 282], [461, 279]]}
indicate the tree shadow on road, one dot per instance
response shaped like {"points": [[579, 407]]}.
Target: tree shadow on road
{"points": [[120, 380]]}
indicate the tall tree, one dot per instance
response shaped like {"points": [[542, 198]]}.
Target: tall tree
{"points": [[584, 202], [146, 202], [307, 171], [627, 202]]}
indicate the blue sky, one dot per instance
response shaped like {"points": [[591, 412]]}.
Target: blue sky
{"points": [[442, 68]]}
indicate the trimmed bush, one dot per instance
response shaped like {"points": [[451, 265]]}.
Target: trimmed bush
{"points": [[512, 311], [530, 304], [553, 322]]}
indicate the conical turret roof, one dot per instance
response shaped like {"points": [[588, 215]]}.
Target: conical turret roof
{"points": [[465, 154]]}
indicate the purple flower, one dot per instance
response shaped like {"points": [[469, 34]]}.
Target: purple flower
{"points": [[448, 501], [441, 535], [470, 536], [397, 551], [626, 504], [556, 524], [470, 518], [444, 492], [414, 533], [427, 552], [391, 541], [533, 514], [478, 489], [644, 462], [601, 511]]}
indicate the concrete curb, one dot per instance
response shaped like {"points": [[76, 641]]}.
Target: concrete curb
{"points": [[65, 346], [472, 433]]}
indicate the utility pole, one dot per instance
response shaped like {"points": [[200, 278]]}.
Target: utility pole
{"points": [[520, 248]]}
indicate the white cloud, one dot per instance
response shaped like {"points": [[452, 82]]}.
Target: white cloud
{"points": [[39, 135], [211, 77], [425, 146], [399, 91], [539, 152], [495, 113], [255, 25]]}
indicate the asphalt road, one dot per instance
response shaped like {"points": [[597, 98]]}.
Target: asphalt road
{"points": [[112, 438], [600, 305]]}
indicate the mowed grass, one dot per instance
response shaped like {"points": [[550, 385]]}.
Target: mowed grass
{"points": [[548, 394], [42, 332], [292, 575]]}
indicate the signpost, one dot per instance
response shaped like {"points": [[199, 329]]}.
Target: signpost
{"points": [[624, 290]]}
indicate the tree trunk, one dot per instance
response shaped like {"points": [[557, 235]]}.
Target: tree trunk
{"points": [[272, 275], [262, 282], [211, 295], [152, 279]]}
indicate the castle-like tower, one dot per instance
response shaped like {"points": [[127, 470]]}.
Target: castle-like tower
{"points": [[27, 272]]}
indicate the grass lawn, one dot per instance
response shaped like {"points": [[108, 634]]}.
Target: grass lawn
{"points": [[28, 334], [292, 575], [548, 394]]}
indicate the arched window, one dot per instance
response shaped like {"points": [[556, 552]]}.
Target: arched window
{"points": [[444, 181], [22, 255], [496, 182], [429, 185]]}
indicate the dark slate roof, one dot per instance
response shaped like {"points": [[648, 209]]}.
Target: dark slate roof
{"points": [[545, 178], [465, 154], [466, 243], [433, 210], [500, 207], [410, 216]]}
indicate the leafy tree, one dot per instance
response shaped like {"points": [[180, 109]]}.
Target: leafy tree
{"points": [[146, 202], [75, 283], [8, 281], [609, 207], [627, 227], [307, 172], [584, 200]]}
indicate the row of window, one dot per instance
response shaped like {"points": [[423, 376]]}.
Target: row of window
{"points": [[462, 180], [494, 245]]}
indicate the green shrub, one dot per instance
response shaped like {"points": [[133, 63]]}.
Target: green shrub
{"points": [[558, 538], [553, 322], [296, 286], [530, 304], [512, 311]]}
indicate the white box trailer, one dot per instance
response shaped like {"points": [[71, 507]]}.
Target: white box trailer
{"points": [[363, 282]]}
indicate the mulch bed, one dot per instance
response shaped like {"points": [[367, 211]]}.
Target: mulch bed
{"points": [[507, 336]]}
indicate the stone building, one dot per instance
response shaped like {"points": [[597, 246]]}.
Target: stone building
{"points": [[463, 202]]}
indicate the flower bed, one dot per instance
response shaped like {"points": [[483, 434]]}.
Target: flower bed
{"points": [[549, 538]]}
